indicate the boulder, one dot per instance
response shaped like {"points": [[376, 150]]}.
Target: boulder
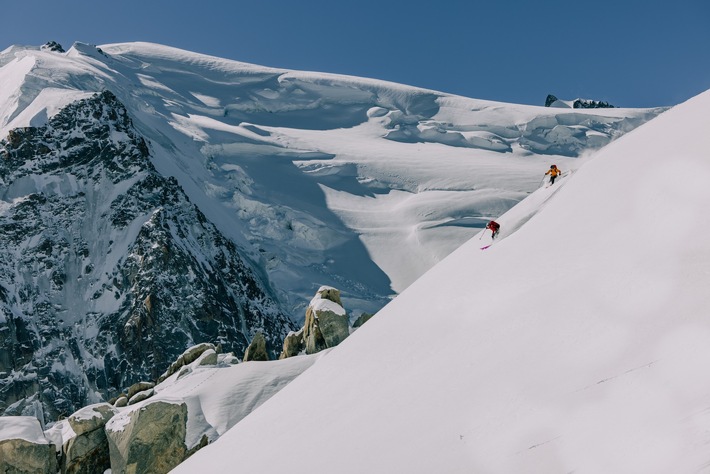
{"points": [[326, 322], [209, 357], [148, 439], [293, 344], [139, 387], [24, 448], [121, 401], [187, 357], [140, 396], [88, 452], [257, 349]]}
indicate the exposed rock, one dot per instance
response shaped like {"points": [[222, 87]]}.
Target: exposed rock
{"points": [[549, 100], [230, 358], [148, 439], [326, 325], [91, 418], [121, 401], [591, 104], [24, 448], [53, 46], [362, 319], [204, 441], [183, 372], [140, 396], [257, 349], [330, 294], [326, 322], [294, 344], [87, 452], [552, 101], [209, 357], [189, 356], [139, 387]]}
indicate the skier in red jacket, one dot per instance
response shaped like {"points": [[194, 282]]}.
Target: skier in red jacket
{"points": [[494, 227]]}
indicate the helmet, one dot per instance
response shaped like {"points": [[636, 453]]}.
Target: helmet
{"points": [[553, 166]]}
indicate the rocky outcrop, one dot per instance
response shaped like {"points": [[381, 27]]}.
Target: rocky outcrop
{"points": [[53, 46], [139, 387], [293, 344], [326, 322], [257, 349], [24, 448], [552, 101], [87, 452], [152, 434], [189, 356], [326, 325], [209, 357], [140, 396], [591, 104], [149, 439]]}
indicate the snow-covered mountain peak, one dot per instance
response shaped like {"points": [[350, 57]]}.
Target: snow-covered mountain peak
{"points": [[252, 188]]}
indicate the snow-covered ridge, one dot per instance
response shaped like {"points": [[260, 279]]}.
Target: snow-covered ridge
{"points": [[578, 343], [350, 182]]}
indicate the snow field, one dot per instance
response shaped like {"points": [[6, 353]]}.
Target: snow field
{"points": [[287, 163], [577, 343]]}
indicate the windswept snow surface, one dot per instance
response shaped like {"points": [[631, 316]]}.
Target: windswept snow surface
{"points": [[26, 428], [580, 343], [324, 179], [218, 396]]}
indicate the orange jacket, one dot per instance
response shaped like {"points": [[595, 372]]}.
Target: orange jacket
{"points": [[554, 171]]}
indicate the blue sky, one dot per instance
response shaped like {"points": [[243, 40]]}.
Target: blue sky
{"points": [[632, 53]]}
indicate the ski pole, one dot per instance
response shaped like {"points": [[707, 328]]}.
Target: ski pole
{"points": [[481, 236]]}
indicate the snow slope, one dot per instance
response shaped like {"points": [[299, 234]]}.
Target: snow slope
{"points": [[324, 179], [579, 343]]}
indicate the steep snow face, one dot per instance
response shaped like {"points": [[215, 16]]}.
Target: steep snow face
{"points": [[108, 271], [577, 344], [355, 183]]}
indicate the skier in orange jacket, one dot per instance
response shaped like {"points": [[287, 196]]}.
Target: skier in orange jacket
{"points": [[554, 172]]}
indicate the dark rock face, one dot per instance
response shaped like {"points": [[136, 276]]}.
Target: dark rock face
{"points": [[549, 100], [53, 46], [591, 104], [108, 271], [580, 103]]}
